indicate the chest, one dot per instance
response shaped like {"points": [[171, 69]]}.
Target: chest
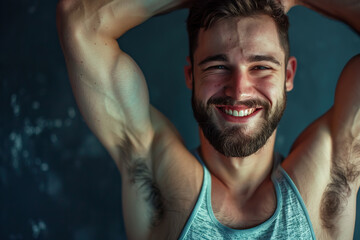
{"points": [[237, 213]]}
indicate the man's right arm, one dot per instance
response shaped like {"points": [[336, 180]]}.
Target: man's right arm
{"points": [[112, 96], [109, 87]]}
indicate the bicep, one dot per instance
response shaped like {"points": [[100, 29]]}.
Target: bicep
{"points": [[345, 122], [110, 90], [346, 117]]}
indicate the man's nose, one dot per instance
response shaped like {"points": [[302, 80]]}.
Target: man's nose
{"points": [[238, 86]]}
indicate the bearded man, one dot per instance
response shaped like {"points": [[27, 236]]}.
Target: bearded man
{"points": [[233, 186]]}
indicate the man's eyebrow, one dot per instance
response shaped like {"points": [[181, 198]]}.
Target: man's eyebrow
{"points": [[218, 57], [259, 58]]}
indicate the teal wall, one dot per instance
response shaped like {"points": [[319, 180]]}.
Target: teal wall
{"points": [[56, 180]]}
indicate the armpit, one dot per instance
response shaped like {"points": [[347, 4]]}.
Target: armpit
{"points": [[345, 170], [140, 177]]}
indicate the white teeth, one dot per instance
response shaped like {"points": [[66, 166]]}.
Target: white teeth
{"points": [[241, 113]]}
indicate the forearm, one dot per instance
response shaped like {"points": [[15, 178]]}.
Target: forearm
{"points": [[347, 11], [111, 18]]}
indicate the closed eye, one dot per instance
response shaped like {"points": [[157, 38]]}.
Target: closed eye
{"points": [[261, 68], [216, 67]]}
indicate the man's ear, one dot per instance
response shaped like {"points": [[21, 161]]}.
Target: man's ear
{"points": [[290, 73], [188, 74]]}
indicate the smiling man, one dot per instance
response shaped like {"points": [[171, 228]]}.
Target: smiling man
{"points": [[233, 57], [233, 186]]}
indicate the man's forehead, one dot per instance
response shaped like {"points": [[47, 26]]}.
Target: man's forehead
{"points": [[255, 35]]}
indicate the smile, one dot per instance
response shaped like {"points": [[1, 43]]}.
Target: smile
{"points": [[236, 111]]}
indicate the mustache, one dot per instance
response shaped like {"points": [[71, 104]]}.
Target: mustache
{"points": [[251, 103]]}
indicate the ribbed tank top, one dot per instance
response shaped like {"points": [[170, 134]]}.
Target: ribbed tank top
{"points": [[289, 221]]}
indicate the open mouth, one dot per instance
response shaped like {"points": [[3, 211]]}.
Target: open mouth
{"points": [[238, 111]]}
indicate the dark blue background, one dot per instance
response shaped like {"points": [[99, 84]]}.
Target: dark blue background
{"points": [[56, 180]]}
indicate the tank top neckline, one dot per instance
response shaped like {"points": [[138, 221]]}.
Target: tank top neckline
{"points": [[263, 225]]}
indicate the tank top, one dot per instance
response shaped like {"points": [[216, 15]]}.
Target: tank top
{"points": [[289, 221]]}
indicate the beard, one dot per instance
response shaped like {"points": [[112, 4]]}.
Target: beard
{"points": [[234, 141]]}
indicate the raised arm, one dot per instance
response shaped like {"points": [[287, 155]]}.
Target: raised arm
{"points": [[345, 113], [109, 87], [112, 96], [332, 143]]}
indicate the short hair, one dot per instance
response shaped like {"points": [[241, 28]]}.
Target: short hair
{"points": [[204, 13]]}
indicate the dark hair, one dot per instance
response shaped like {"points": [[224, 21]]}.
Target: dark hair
{"points": [[204, 13]]}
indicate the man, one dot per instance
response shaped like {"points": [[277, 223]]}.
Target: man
{"points": [[239, 69]]}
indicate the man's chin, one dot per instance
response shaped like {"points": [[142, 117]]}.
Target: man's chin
{"points": [[243, 130], [237, 141]]}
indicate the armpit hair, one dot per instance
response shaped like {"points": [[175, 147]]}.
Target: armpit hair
{"points": [[345, 170], [141, 177]]}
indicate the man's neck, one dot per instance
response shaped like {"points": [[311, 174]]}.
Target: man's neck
{"points": [[240, 176]]}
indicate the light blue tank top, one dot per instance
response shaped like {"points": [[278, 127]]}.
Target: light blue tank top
{"points": [[290, 220]]}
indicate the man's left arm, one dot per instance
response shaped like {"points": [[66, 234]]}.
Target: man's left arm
{"points": [[345, 122], [328, 151], [344, 116]]}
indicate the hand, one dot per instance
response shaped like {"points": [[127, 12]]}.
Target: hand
{"points": [[288, 4]]}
